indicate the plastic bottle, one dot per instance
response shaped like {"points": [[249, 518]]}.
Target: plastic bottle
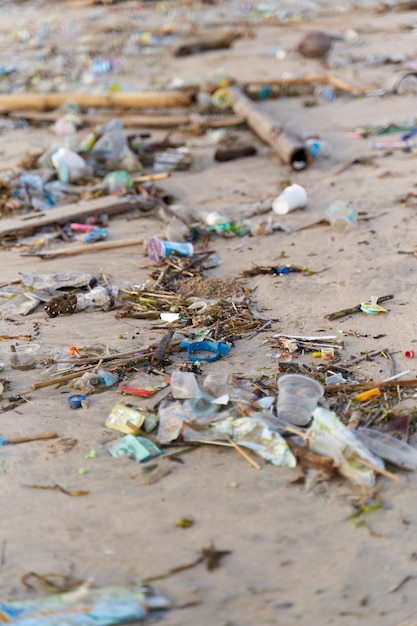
{"points": [[389, 448]]}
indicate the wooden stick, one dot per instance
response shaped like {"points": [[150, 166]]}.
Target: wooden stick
{"points": [[111, 205], [242, 452], [30, 438], [150, 178], [95, 247], [379, 470], [149, 121], [385, 384], [290, 149], [160, 350], [124, 100], [199, 44]]}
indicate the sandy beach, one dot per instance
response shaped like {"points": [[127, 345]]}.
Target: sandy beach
{"points": [[295, 555]]}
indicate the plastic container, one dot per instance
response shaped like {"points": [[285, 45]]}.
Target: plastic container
{"points": [[158, 249], [297, 398], [341, 216], [22, 357], [391, 449], [293, 197]]}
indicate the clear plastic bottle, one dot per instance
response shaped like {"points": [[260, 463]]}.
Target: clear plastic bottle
{"points": [[389, 448]]}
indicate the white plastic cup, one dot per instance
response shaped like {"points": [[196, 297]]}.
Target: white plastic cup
{"points": [[297, 398], [292, 198]]}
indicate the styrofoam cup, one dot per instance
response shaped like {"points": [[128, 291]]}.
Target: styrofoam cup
{"points": [[292, 198], [297, 398]]}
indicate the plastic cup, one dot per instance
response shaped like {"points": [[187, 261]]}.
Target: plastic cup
{"points": [[297, 398], [22, 357], [292, 198], [341, 216]]}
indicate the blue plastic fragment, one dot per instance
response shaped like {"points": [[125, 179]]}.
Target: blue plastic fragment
{"points": [[75, 401], [283, 270], [97, 234], [216, 348]]}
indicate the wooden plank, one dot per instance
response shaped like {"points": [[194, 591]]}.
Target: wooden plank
{"points": [[31, 222]]}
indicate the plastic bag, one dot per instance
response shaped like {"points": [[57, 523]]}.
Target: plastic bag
{"points": [[328, 436]]}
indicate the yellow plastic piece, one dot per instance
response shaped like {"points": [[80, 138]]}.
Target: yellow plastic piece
{"points": [[222, 98], [372, 307], [368, 395]]}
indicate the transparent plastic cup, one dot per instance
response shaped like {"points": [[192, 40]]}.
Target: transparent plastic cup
{"points": [[297, 398], [22, 357]]}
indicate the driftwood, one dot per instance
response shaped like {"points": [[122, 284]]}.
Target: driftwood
{"points": [[138, 100], [129, 121], [290, 149], [198, 44], [302, 86], [86, 248], [29, 223]]}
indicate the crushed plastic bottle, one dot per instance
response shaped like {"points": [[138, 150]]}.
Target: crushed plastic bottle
{"points": [[70, 166], [101, 297], [85, 607], [395, 451]]}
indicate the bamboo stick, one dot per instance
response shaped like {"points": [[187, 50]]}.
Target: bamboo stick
{"points": [[149, 120], [290, 149], [242, 452], [124, 100], [377, 469], [27, 438]]}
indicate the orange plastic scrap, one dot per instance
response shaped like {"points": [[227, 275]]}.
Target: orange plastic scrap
{"points": [[368, 395], [73, 351]]}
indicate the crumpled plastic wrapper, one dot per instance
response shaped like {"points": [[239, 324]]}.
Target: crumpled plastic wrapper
{"points": [[330, 437]]}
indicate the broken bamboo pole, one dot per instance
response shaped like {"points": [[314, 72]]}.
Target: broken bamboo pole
{"points": [[137, 100], [289, 148], [131, 120]]}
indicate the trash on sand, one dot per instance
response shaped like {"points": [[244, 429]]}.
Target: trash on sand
{"points": [[364, 396], [27, 438], [60, 280], [372, 307], [357, 308], [107, 606], [257, 435], [76, 401], [330, 437], [22, 357], [391, 449], [297, 398], [144, 384], [292, 197], [205, 350], [290, 149], [138, 448], [123, 418], [158, 250], [341, 216]]}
